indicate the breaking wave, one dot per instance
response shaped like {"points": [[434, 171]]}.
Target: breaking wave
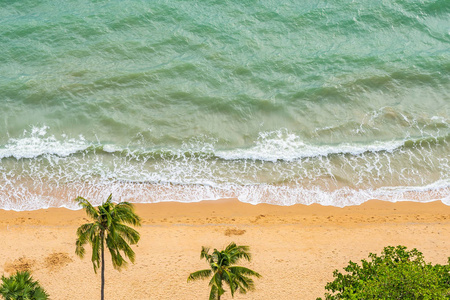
{"points": [[40, 170]]}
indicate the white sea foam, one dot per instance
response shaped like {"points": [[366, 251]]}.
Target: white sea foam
{"points": [[111, 148], [37, 143], [295, 172], [270, 146], [254, 194], [282, 145]]}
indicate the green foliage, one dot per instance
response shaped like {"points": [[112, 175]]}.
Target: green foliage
{"points": [[108, 226], [396, 274], [21, 286], [223, 270]]}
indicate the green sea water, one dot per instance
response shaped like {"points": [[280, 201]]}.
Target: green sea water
{"points": [[284, 102]]}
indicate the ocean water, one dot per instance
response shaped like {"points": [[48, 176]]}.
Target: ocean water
{"points": [[281, 102]]}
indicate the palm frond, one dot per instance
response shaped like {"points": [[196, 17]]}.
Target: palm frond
{"points": [[119, 241], [124, 212], [123, 246], [214, 256], [105, 215], [245, 284], [216, 281], [109, 199], [222, 269], [96, 243], [88, 208], [202, 274], [84, 232], [127, 233], [230, 247], [116, 244], [244, 271], [79, 249], [205, 253], [238, 252], [108, 227], [118, 260], [230, 279], [213, 293]]}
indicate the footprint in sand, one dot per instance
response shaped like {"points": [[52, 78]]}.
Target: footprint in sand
{"points": [[57, 260], [234, 231], [19, 265]]}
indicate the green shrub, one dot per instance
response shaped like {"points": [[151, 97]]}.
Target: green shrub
{"points": [[396, 274], [21, 286]]}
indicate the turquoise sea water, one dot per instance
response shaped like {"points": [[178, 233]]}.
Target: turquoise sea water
{"points": [[283, 102]]}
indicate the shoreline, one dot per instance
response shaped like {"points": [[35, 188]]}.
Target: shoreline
{"points": [[233, 210], [33, 198], [298, 243]]}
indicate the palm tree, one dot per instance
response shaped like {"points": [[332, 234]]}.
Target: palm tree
{"points": [[222, 270], [108, 226], [21, 286]]}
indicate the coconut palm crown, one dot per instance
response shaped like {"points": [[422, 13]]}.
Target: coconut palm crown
{"points": [[108, 227], [222, 270]]}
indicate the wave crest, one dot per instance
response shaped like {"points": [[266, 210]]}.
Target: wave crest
{"points": [[280, 145]]}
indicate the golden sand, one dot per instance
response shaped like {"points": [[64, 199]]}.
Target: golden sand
{"points": [[295, 248]]}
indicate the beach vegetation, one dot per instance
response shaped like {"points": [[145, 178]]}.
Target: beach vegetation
{"points": [[21, 286], [395, 274], [108, 227], [223, 270]]}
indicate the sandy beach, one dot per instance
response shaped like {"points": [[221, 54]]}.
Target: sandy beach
{"points": [[295, 248]]}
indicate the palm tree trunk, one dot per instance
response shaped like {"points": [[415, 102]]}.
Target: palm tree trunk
{"points": [[103, 266]]}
